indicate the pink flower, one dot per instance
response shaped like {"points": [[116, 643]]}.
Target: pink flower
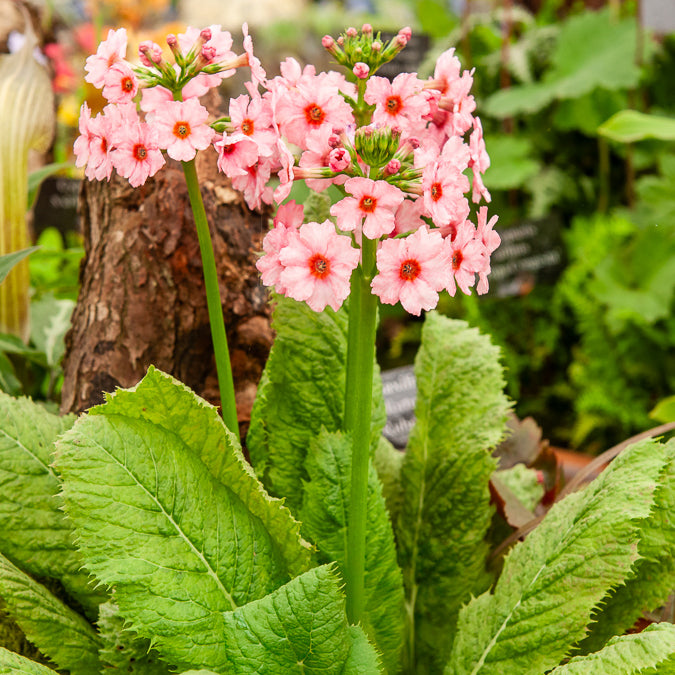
{"points": [[110, 51], [491, 241], [412, 270], [444, 187], [219, 48], [361, 70], [467, 257], [318, 263], [254, 184], [120, 83], [446, 71], [137, 155], [287, 219], [252, 117], [91, 147], [258, 74], [409, 216], [286, 176], [479, 162], [182, 128], [318, 155], [372, 203], [309, 107], [236, 153], [397, 103]]}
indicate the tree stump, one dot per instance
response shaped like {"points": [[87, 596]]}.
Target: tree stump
{"points": [[142, 299]]}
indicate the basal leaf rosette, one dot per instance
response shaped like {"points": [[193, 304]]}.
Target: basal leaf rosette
{"points": [[168, 514]]}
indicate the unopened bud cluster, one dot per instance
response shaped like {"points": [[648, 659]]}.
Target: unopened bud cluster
{"points": [[363, 52]]}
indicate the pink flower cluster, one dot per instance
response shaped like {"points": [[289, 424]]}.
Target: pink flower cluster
{"points": [[174, 121], [401, 152]]}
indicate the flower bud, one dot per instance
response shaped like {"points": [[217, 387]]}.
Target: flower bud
{"points": [[361, 70], [377, 146], [338, 159], [351, 32], [393, 166], [150, 53], [366, 29]]}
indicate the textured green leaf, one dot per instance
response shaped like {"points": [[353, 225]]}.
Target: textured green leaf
{"points": [[152, 520], [302, 391], [593, 50], [551, 582], [324, 515], [626, 655], [56, 630], [300, 628], [37, 536], [653, 576], [167, 403], [13, 664], [628, 126], [523, 483], [388, 462], [122, 650], [460, 415]]}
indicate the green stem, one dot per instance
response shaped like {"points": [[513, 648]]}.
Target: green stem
{"points": [[358, 412], [213, 302]]}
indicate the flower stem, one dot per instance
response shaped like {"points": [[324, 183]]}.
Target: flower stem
{"points": [[358, 413], [213, 302]]}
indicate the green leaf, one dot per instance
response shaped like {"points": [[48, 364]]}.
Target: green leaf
{"points": [[324, 515], [55, 629], [664, 410], [388, 462], [50, 321], [523, 483], [8, 260], [593, 51], [435, 19], [300, 628], [626, 654], [179, 546], [460, 415], [628, 126], [122, 650], [552, 581], [36, 177], [653, 577], [37, 535], [302, 390], [13, 664], [164, 401], [511, 162]]}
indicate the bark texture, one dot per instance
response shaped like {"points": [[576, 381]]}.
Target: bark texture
{"points": [[142, 298]]}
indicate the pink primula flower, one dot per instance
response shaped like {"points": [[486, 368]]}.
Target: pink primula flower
{"points": [[491, 241], [467, 257], [137, 155], [479, 162], [252, 117], [119, 83], [412, 270], [318, 263], [92, 148], [258, 74], [236, 153], [182, 128], [254, 184], [309, 107], [372, 203], [109, 52], [398, 103], [444, 187], [286, 175]]}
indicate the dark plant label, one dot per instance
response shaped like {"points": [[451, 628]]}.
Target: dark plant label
{"points": [[531, 252], [399, 390], [409, 59], [56, 205]]}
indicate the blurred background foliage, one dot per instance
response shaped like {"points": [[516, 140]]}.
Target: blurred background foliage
{"points": [[589, 342]]}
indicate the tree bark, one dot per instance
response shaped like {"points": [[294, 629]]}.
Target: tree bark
{"points": [[142, 298]]}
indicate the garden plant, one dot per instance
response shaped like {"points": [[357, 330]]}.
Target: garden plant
{"points": [[138, 538]]}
